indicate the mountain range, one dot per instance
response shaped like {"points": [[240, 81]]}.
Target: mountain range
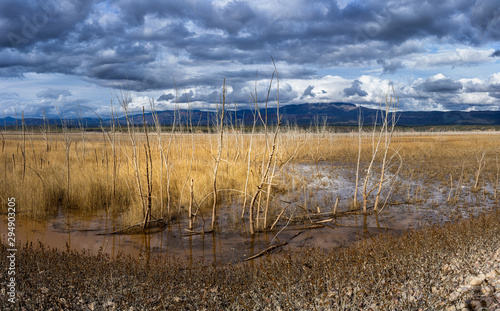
{"points": [[332, 114]]}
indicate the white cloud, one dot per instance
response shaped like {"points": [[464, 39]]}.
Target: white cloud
{"points": [[451, 57]]}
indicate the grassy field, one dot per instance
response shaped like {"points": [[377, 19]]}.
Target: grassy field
{"points": [[124, 173]]}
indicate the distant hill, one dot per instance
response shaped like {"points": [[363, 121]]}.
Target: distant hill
{"points": [[301, 114]]}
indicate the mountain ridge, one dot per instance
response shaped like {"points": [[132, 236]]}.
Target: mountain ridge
{"points": [[332, 114]]}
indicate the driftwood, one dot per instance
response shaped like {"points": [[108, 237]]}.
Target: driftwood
{"points": [[270, 248], [191, 232], [296, 235], [357, 211], [325, 220], [148, 228], [313, 226], [331, 227], [352, 226]]}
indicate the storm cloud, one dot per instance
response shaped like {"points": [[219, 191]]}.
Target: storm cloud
{"points": [[441, 84], [159, 48], [308, 92], [166, 97], [390, 66], [355, 89]]}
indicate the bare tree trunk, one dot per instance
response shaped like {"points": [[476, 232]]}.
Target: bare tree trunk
{"points": [[265, 173], [219, 155], [360, 127], [191, 199], [24, 145], [254, 96], [67, 144], [124, 100], [387, 141], [481, 164], [385, 134], [496, 182], [149, 171], [82, 129]]}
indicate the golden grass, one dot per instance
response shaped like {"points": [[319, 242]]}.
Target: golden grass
{"points": [[35, 168]]}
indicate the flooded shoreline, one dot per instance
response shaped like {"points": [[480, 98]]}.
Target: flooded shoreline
{"points": [[306, 210], [419, 270], [89, 234]]}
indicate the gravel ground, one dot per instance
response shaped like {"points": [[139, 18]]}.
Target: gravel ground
{"points": [[483, 289], [455, 266]]}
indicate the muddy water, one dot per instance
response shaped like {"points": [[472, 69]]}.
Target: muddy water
{"points": [[86, 234], [317, 193], [89, 234]]}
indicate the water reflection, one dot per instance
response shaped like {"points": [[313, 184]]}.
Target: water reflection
{"points": [[80, 233]]}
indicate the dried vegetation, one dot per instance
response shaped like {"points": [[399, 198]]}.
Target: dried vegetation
{"points": [[103, 176]]}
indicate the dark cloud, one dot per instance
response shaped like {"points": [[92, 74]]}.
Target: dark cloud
{"points": [[471, 87], [355, 89], [143, 45], [390, 66], [166, 97], [485, 16], [188, 97], [24, 23], [494, 87], [235, 16], [134, 12], [239, 31], [441, 85], [243, 95], [308, 92], [485, 87]]}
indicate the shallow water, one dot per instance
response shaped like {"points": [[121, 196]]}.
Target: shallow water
{"points": [[82, 234], [319, 186]]}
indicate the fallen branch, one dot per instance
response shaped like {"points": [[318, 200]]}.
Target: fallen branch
{"points": [[296, 235], [325, 220], [367, 227], [141, 224], [192, 233], [270, 248], [313, 226]]}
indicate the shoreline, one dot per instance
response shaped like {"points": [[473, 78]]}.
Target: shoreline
{"points": [[425, 269]]}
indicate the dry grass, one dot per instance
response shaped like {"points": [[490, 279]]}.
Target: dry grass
{"points": [[44, 187], [93, 186]]}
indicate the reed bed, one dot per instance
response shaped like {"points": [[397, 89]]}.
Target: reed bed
{"points": [[52, 172]]}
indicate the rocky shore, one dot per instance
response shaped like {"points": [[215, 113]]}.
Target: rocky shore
{"points": [[455, 266], [482, 290]]}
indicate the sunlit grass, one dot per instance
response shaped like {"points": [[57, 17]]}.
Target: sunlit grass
{"points": [[35, 168]]}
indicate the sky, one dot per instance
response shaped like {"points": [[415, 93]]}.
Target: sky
{"points": [[58, 55]]}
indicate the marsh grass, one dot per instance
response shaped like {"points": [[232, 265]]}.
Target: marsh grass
{"points": [[103, 178]]}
